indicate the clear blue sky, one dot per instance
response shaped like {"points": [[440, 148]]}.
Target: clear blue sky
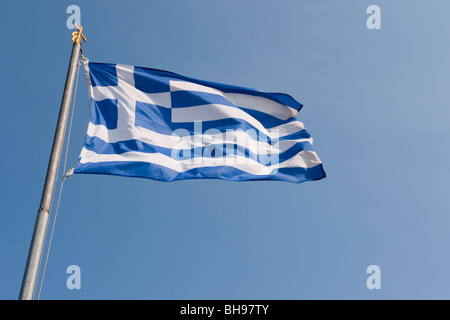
{"points": [[377, 103]]}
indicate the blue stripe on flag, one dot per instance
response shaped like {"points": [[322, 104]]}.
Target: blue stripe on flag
{"points": [[150, 83], [183, 99], [156, 172], [101, 147]]}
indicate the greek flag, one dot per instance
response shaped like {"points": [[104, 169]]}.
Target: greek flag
{"points": [[160, 125]]}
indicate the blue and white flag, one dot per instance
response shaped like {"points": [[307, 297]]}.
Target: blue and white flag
{"points": [[160, 125]]}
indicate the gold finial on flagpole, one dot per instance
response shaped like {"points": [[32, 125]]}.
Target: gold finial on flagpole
{"points": [[77, 35]]}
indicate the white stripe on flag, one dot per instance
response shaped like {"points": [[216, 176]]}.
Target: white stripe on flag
{"points": [[251, 102], [304, 159], [211, 112], [190, 141]]}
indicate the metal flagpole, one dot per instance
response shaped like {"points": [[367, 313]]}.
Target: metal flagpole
{"points": [[43, 215]]}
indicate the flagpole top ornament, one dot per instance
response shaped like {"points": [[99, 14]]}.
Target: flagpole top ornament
{"points": [[78, 35]]}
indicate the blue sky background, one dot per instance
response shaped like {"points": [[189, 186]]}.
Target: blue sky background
{"points": [[376, 103]]}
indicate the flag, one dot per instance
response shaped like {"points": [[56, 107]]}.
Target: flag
{"points": [[160, 125]]}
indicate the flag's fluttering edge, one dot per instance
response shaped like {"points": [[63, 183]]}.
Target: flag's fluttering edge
{"points": [[160, 125]]}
